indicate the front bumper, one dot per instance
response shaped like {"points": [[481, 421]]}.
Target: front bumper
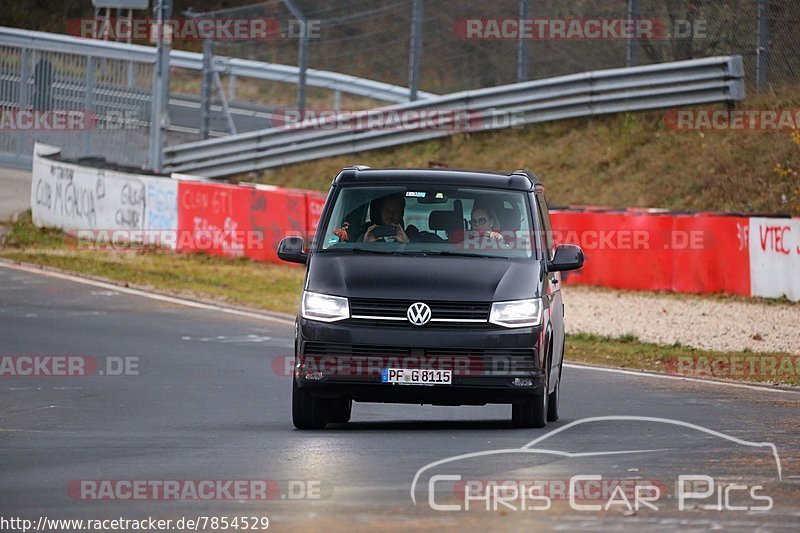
{"points": [[489, 365]]}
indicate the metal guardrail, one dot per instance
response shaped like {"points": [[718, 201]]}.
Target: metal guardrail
{"points": [[39, 72], [664, 85], [36, 40]]}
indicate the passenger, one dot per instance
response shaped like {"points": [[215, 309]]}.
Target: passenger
{"points": [[484, 222]]}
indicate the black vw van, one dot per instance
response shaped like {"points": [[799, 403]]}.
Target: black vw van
{"points": [[430, 287]]}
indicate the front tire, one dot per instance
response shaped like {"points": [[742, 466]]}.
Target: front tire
{"points": [[339, 411], [533, 412], [307, 412], [552, 401]]}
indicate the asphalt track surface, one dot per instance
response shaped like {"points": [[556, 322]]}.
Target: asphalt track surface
{"points": [[184, 114], [206, 403], [15, 192]]}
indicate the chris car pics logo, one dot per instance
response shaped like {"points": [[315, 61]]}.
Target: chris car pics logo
{"points": [[684, 488]]}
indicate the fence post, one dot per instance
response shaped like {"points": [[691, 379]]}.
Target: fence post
{"points": [[225, 109], [159, 111], [415, 49], [302, 55], [303, 60], [633, 13], [42, 83], [24, 77], [24, 93], [232, 87], [205, 89], [337, 100], [88, 101], [762, 46], [129, 40], [522, 44]]}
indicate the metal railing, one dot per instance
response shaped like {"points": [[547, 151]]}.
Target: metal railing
{"points": [[322, 79], [664, 85], [112, 81], [39, 74]]}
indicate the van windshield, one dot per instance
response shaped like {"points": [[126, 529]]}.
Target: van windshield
{"points": [[430, 220]]}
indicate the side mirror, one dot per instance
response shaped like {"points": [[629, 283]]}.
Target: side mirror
{"points": [[568, 257], [290, 250]]}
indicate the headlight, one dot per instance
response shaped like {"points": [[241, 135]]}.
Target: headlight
{"points": [[517, 313], [324, 308]]}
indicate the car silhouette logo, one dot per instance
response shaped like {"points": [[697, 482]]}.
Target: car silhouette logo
{"points": [[419, 314]]}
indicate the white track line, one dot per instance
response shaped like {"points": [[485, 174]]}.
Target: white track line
{"points": [[146, 294], [278, 320], [638, 373]]}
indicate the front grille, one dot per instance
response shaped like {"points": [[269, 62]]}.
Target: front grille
{"points": [[443, 313], [430, 325], [320, 348], [362, 360]]}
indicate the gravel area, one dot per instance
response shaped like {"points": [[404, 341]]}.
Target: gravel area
{"points": [[690, 320]]}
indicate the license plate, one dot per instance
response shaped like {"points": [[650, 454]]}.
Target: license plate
{"points": [[413, 376]]}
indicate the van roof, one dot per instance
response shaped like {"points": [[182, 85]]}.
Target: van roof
{"points": [[520, 180]]}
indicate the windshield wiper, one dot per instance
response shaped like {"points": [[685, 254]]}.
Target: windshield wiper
{"points": [[409, 253], [370, 251], [464, 254], [417, 253]]}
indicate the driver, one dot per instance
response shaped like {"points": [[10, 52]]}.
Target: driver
{"points": [[389, 211]]}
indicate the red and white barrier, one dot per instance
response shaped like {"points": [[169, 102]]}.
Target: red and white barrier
{"points": [[238, 221], [106, 204], [775, 257], [695, 253]]}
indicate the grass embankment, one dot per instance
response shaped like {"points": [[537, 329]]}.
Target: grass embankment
{"points": [[277, 288], [222, 279], [631, 353], [630, 160]]}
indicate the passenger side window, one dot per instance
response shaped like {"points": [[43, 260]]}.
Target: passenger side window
{"points": [[544, 217]]}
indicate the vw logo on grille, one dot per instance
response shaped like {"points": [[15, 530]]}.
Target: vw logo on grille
{"points": [[419, 314]]}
